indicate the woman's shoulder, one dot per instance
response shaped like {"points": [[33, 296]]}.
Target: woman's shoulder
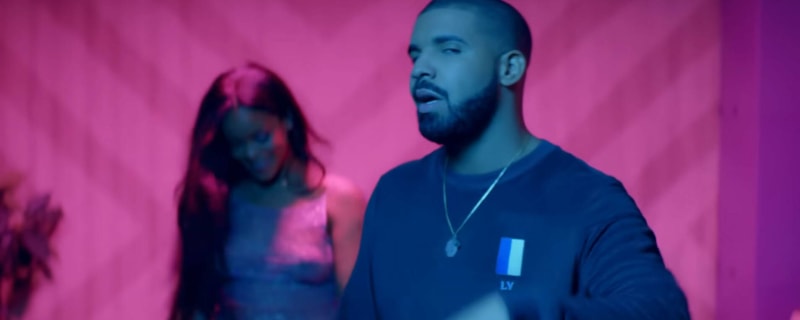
{"points": [[339, 186], [343, 195]]}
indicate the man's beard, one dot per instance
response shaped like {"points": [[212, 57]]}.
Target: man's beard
{"points": [[464, 123]]}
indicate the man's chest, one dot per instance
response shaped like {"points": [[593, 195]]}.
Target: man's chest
{"points": [[504, 247]]}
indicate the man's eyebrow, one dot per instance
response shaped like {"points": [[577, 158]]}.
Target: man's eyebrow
{"points": [[412, 48], [448, 38]]}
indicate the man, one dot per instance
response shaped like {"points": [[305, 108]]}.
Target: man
{"points": [[498, 224]]}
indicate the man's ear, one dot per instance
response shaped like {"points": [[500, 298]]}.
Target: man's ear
{"points": [[512, 68]]}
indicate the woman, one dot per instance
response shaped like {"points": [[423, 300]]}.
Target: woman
{"points": [[265, 234]]}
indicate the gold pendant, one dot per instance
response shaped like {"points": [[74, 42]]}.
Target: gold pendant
{"points": [[452, 247]]}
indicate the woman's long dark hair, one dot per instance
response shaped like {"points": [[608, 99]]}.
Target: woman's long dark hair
{"points": [[211, 171]]}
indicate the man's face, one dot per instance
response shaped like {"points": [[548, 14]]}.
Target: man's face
{"points": [[454, 81]]}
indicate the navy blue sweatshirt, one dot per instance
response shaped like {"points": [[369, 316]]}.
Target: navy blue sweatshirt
{"points": [[556, 238]]}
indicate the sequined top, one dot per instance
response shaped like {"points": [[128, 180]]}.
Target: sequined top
{"points": [[280, 262]]}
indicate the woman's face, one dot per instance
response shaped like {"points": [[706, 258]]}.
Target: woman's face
{"points": [[258, 140]]}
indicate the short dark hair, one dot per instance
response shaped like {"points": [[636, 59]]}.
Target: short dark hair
{"points": [[502, 14]]}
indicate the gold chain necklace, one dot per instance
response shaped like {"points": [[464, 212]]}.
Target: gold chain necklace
{"points": [[453, 245]]}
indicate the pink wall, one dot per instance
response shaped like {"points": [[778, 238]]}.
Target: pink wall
{"points": [[778, 268], [759, 275], [97, 97], [738, 186]]}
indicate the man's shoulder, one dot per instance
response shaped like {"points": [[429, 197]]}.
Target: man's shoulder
{"points": [[565, 171], [584, 190], [410, 171]]}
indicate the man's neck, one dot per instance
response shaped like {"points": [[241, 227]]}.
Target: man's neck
{"points": [[493, 150]]}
